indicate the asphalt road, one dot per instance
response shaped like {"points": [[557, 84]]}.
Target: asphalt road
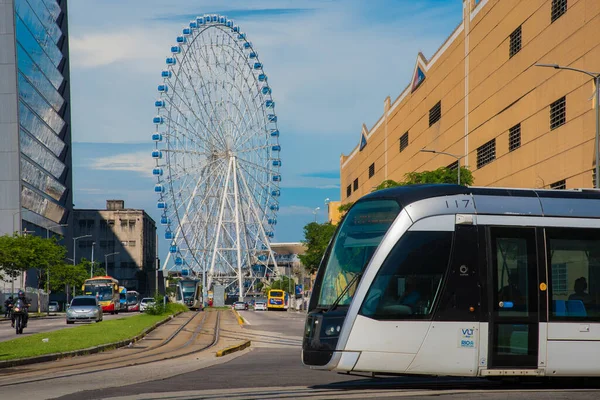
{"points": [[47, 324], [272, 369]]}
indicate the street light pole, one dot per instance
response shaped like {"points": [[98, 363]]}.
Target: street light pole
{"points": [[106, 260], [447, 154], [92, 268], [596, 77], [48, 269], [315, 212], [75, 239]]}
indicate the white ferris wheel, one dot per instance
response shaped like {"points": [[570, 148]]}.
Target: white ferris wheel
{"points": [[217, 156]]}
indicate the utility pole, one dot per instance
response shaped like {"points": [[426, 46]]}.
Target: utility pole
{"points": [[156, 272], [92, 268]]}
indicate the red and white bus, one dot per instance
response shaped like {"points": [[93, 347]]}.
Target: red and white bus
{"points": [[106, 289]]}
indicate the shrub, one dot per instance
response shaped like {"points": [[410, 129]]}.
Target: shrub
{"points": [[158, 308]]}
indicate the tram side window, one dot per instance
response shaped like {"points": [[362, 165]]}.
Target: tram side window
{"points": [[409, 280], [574, 273]]}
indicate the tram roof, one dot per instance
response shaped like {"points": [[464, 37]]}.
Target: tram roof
{"points": [[488, 200]]}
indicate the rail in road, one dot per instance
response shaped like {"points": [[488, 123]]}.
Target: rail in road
{"points": [[194, 334]]}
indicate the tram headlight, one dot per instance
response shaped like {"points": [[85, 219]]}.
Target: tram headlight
{"points": [[332, 330]]}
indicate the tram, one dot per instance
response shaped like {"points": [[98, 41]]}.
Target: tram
{"points": [[460, 281], [189, 292]]}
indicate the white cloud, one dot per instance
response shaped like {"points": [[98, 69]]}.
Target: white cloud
{"points": [[295, 210], [132, 48], [140, 162]]}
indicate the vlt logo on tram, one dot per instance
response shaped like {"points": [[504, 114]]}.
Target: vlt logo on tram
{"points": [[467, 338]]}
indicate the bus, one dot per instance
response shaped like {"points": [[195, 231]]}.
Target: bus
{"points": [[189, 293], [450, 280], [122, 298], [106, 289], [277, 300], [133, 300]]}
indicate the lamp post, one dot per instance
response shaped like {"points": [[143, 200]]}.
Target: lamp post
{"points": [[75, 239], [92, 267], [447, 154], [106, 260], [48, 269], [596, 79], [315, 212]]}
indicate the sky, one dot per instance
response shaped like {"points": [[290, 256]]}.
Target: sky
{"points": [[331, 64]]}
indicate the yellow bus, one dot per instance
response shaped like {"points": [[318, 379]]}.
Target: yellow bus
{"points": [[277, 300], [106, 289]]}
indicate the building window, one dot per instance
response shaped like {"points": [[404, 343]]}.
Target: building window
{"points": [[435, 113], [124, 243], [403, 141], [558, 113], [514, 137], [103, 225], [486, 153], [355, 184], [515, 42], [453, 166], [594, 177], [132, 243], [559, 7], [348, 190], [132, 224], [111, 223], [371, 170], [560, 185], [575, 278]]}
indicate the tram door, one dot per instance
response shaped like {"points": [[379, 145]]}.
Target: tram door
{"points": [[513, 298]]}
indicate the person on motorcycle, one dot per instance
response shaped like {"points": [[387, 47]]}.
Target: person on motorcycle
{"points": [[27, 303], [8, 303]]}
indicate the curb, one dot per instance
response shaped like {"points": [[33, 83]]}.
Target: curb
{"points": [[239, 318], [233, 349], [82, 352]]}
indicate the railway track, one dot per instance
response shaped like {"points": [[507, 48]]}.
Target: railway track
{"points": [[198, 333]]}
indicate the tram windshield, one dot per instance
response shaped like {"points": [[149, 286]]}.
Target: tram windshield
{"points": [[361, 232], [188, 288]]}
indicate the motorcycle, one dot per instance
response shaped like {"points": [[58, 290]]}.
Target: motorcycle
{"points": [[19, 314]]}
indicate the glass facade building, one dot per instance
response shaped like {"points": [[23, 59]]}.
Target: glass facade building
{"points": [[35, 136]]}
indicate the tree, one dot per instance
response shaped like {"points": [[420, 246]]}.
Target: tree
{"points": [[20, 253], [440, 175], [284, 283], [316, 238], [67, 274]]}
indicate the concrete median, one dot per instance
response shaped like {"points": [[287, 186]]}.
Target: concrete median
{"points": [[232, 349]]}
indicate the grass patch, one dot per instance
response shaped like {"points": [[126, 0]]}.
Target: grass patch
{"points": [[220, 308], [82, 337]]}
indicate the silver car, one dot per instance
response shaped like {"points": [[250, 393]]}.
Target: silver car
{"points": [[84, 308], [53, 306]]}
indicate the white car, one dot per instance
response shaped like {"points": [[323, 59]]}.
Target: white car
{"points": [[260, 306], [146, 301]]}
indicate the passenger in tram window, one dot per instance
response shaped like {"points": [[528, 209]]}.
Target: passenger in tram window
{"points": [[511, 292], [411, 293], [580, 288]]}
